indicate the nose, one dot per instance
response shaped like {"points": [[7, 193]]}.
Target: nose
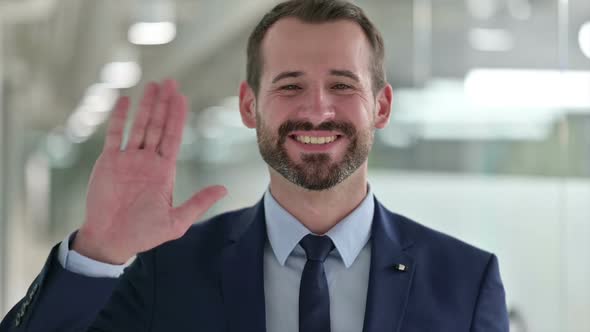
{"points": [[317, 107]]}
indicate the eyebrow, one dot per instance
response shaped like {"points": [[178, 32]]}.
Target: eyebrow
{"points": [[345, 73], [334, 72], [287, 74]]}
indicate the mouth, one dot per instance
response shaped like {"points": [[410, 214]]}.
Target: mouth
{"points": [[315, 142]]}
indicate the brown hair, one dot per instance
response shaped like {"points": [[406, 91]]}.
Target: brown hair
{"points": [[315, 11]]}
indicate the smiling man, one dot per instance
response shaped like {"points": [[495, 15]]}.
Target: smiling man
{"points": [[315, 107], [318, 252]]}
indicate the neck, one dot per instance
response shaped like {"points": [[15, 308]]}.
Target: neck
{"points": [[319, 211]]}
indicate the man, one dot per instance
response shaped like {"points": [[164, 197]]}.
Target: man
{"points": [[317, 253]]}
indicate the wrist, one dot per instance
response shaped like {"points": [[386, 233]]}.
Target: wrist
{"points": [[91, 246]]}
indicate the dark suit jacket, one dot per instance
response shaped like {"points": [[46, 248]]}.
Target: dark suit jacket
{"points": [[212, 280]]}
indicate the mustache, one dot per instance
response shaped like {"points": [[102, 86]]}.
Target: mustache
{"points": [[289, 126]]}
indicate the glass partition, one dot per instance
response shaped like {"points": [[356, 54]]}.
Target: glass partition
{"points": [[488, 139]]}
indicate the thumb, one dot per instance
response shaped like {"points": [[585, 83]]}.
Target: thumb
{"points": [[196, 206]]}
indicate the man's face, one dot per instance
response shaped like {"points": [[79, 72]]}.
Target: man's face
{"points": [[315, 110]]}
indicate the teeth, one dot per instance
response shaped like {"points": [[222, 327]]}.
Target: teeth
{"points": [[315, 140]]}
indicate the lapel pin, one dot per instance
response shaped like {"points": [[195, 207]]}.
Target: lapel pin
{"points": [[401, 267]]}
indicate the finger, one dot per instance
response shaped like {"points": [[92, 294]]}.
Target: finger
{"points": [[194, 208], [159, 114], [172, 136], [117, 125], [143, 116]]}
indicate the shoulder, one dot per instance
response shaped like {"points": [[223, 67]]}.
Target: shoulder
{"points": [[208, 237], [443, 261], [434, 244]]}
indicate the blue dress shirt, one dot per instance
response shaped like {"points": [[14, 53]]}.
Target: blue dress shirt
{"points": [[347, 267]]}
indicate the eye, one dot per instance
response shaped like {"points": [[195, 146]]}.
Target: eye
{"points": [[290, 87], [341, 86]]}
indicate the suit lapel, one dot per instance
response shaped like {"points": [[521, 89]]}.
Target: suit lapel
{"points": [[389, 282], [242, 282]]}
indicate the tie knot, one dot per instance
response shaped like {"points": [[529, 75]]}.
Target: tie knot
{"points": [[317, 248]]}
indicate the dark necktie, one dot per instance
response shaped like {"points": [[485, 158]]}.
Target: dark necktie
{"points": [[314, 300]]}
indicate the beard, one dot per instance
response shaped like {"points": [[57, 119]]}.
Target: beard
{"points": [[317, 171]]}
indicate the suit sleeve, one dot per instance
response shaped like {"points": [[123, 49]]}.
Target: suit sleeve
{"points": [[131, 305], [491, 314], [58, 300]]}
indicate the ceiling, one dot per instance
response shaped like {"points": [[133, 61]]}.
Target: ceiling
{"points": [[54, 49]]}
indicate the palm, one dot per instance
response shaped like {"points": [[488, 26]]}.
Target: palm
{"points": [[122, 188], [129, 204]]}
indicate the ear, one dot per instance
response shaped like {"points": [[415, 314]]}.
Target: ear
{"points": [[384, 100], [247, 105]]}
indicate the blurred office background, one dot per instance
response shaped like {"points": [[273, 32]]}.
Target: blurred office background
{"points": [[489, 138]]}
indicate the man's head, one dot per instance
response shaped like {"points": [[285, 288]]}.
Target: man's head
{"points": [[315, 90], [315, 11]]}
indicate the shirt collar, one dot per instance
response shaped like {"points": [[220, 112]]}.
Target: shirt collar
{"points": [[349, 236]]}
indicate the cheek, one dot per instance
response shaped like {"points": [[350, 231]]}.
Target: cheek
{"points": [[276, 111], [356, 110]]}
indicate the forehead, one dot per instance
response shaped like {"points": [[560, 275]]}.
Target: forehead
{"points": [[291, 44]]}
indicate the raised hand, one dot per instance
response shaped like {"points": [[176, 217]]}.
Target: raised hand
{"points": [[129, 205]]}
